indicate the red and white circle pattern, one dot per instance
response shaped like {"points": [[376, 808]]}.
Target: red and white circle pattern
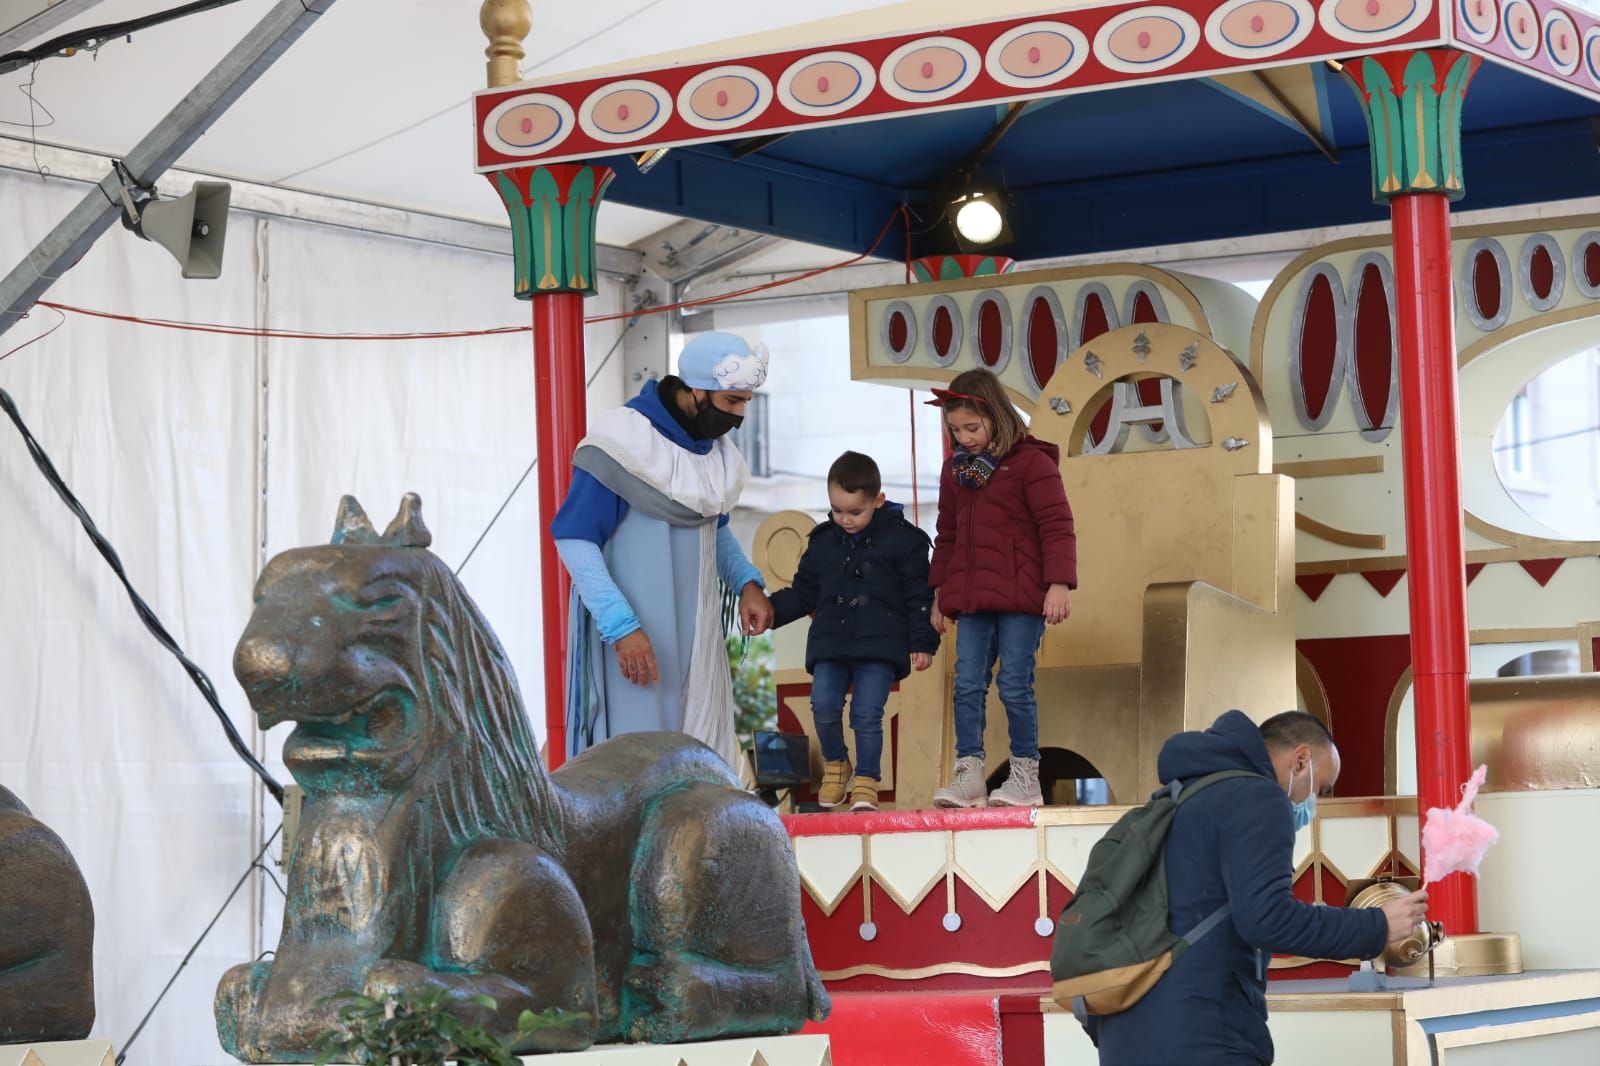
{"points": [[1250, 29], [1037, 54]]}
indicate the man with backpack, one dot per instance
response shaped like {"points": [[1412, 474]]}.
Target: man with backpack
{"points": [[1164, 952]]}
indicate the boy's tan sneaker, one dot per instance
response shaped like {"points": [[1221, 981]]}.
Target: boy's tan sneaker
{"points": [[864, 794], [835, 783], [968, 788], [1021, 788]]}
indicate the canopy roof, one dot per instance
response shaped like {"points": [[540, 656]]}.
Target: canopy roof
{"points": [[1131, 124]]}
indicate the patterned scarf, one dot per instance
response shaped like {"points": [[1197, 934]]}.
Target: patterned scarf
{"points": [[974, 471]]}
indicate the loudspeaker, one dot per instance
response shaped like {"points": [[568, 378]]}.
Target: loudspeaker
{"points": [[192, 227]]}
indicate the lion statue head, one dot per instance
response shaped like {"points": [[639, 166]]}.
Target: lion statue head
{"points": [[396, 684]]}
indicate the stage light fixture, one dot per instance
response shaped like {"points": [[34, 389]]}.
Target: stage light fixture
{"points": [[980, 216]]}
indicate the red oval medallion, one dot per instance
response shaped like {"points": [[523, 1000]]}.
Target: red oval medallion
{"points": [[1374, 354], [944, 331], [1095, 319], [991, 332], [1043, 341], [1486, 284], [1144, 308], [1591, 264], [1541, 272], [899, 331], [1319, 347]]}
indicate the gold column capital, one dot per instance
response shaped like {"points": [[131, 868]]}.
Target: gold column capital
{"points": [[506, 23]]}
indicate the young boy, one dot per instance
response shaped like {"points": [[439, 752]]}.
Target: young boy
{"points": [[865, 576]]}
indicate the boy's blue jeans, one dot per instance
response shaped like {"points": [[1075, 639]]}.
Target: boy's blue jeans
{"points": [[869, 682], [1013, 639]]}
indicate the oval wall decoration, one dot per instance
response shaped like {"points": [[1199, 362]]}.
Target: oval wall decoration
{"points": [[1369, 21], [1146, 39], [1486, 284], [1037, 54], [1543, 272], [1586, 264], [1143, 303], [1562, 43], [1521, 23], [724, 98], [625, 111], [942, 331], [1375, 377], [528, 125], [1096, 313], [1591, 54], [991, 330], [1247, 29], [931, 69], [899, 331], [1478, 19], [827, 83], [1318, 359], [1045, 329]]}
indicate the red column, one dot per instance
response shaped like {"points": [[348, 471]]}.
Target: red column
{"points": [[1412, 102], [1435, 551], [559, 386]]}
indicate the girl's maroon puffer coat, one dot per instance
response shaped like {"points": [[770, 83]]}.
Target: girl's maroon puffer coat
{"points": [[999, 547]]}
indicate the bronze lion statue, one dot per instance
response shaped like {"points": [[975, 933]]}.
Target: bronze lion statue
{"points": [[46, 933], [636, 893]]}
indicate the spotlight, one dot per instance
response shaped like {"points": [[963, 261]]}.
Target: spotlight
{"points": [[645, 161], [980, 216]]}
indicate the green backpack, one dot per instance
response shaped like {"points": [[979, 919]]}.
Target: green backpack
{"points": [[1112, 940]]}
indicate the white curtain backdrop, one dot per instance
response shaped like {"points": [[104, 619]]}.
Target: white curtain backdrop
{"points": [[200, 456]]}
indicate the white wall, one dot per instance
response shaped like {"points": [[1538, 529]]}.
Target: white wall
{"points": [[199, 456]]}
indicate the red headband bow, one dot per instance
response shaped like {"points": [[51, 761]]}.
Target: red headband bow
{"points": [[943, 396]]}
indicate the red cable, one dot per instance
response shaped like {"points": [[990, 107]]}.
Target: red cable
{"points": [[40, 337], [884, 232], [911, 397]]}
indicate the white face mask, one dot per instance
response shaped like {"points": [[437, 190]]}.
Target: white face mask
{"points": [[1306, 809]]}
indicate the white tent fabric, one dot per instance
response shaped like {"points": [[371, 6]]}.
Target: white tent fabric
{"points": [[199, 456]]}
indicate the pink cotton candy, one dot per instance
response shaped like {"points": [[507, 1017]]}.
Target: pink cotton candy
{"points": [[1456, 841]]}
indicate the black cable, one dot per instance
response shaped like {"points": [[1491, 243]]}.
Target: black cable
{"points": [[91, 35], [255, 862], [146, 615]]}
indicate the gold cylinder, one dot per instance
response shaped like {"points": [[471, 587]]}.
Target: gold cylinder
{"points": [[506, 23]]}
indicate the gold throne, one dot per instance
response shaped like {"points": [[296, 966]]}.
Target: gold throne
{"points": [[1185, 553]]}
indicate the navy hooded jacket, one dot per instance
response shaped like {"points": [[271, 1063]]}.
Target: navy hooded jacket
{"points": [[1233, 843], [869, 592]]}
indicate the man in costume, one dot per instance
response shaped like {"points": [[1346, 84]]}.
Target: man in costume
{"points": [[656, 573]]}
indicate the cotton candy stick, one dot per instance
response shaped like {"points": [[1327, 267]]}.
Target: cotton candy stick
{"points": [[1456, 840]]}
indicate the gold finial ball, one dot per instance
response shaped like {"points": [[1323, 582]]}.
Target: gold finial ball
{"points": [[506, 23], [506, 18]]}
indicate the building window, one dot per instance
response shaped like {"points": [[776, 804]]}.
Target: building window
{"points": [[753, 437], [1518, 446]]}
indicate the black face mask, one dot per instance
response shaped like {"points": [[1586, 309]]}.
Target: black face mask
{"points": [[710, 421]]}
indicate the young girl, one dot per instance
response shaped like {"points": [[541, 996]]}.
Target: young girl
{"points": [[1004, 561]]}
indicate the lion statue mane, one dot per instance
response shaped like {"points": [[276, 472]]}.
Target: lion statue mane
{"points": [[636, 893]]}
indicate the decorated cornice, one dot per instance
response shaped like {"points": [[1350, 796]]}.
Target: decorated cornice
{"points": [[1078, 49], [1557, 43]]}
